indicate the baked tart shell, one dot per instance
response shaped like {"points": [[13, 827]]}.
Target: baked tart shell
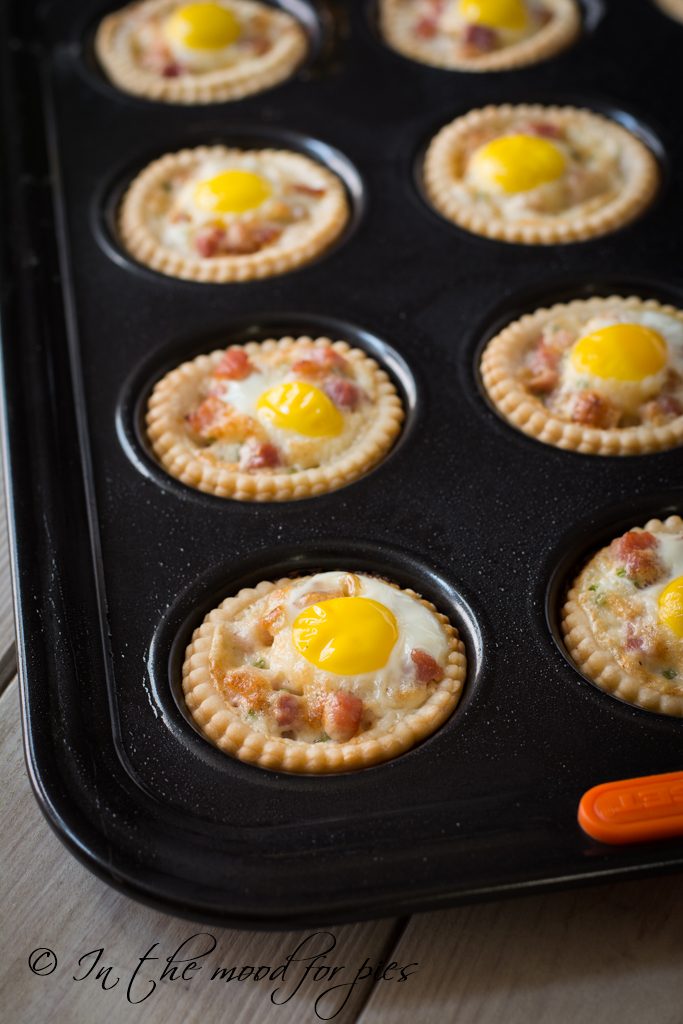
{"points": [[557, 35], [447, 145], [141, 243], [175, 393], [244, 79], [599, 665], [220, 724], [502, 357]]}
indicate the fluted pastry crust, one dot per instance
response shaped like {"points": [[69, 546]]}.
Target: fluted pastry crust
{"points": [[631, 176], [369, 433], [218, 708], [559, 32], [502, 370], [589, 634], [116, 46]]}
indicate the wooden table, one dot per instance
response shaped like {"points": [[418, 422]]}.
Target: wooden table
{"points": [[608, 955]]}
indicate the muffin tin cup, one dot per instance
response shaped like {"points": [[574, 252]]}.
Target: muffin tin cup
{"points": [[115, 562]]}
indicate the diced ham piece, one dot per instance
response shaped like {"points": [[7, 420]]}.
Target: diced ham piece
{"points": [[237, 239], [633, 641], [341, 715], [427, 670], [426, 28], [208, 242], [204, 417], [316, 363], [636, 551], [306, 190], [592, 410], [344, 393], [286, 709], [172, 70], [480, 39], [234, 365], [546, 129], [661, 409], [260, 456], [543, 369]]}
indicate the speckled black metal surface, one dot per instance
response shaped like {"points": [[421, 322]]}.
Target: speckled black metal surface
{"points": [[115, 563]]}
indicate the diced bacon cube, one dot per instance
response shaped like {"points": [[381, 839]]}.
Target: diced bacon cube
{"points": [[209, 241], [661, 410], [341, 715], [204, 417], [172, 70], [306, 190], [426, 28], [259, 456], [636, 551], [546, 129], [592, 410], [543, 369], [481, 39], [286, 709], [234, 365], [344, 393], [427, 670]]}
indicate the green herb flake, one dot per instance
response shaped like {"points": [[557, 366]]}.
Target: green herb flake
{"points": [[251, 714], [323, 739], [669, 673], [260, 663], [621, 572], [593, 586]]}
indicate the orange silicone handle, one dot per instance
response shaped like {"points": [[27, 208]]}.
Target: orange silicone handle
{"points": [[634, 810]]}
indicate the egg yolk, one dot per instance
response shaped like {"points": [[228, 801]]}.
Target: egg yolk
{"points": [[303, 408], [232, 192], [510, 14], [346, 635], [671, 606], [203, 26], [517, 163], [627, 352]]}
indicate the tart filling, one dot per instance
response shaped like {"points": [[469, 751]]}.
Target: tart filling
{"points": [[219, 214], [479, 35], [199, 52], [601, 376], [538, 175], [623, 619], [324, 673], [274, 420]]}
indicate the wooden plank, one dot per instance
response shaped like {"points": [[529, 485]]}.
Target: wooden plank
{"points": [[608, 955], [52, 901]]}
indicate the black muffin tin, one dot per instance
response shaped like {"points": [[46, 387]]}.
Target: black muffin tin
{"points": [[115, 562]]}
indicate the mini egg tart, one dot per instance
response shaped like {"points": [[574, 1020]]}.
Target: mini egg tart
{"points": [[325, 673], [479, 35], [274, 420], [622, 622], [674, 8], [217, 214], [538, 175], [602, 376], [178, 52]]}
